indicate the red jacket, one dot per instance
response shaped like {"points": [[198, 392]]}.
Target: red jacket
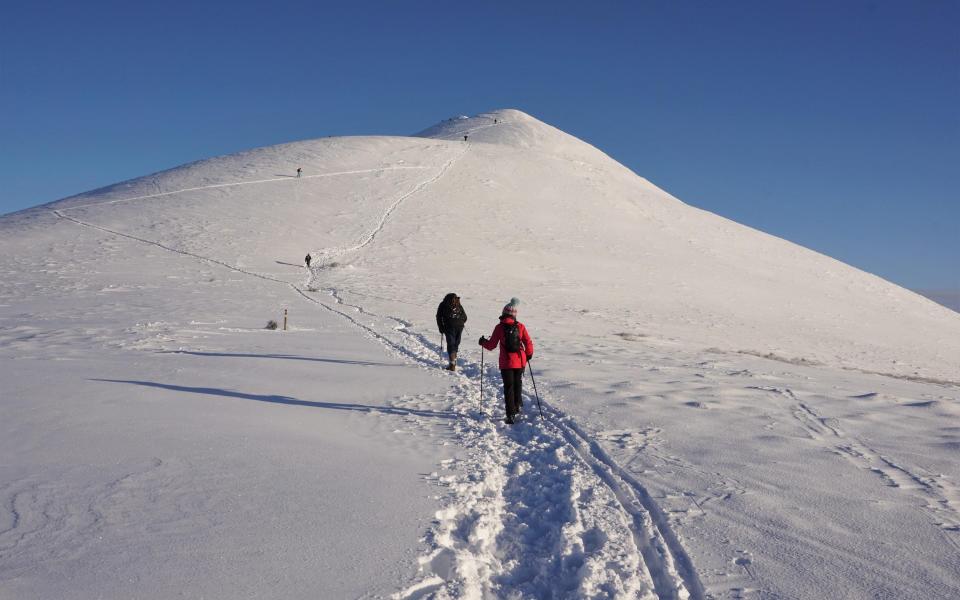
{"points": [[511, 360]]}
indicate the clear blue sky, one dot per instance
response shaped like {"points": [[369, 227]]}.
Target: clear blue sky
{"points": [[835, 124]]}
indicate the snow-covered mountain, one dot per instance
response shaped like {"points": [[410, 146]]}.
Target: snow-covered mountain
{"points": [[530, 210], [707, 386]]}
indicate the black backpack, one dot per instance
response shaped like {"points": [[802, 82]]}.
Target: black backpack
{"points": [[511, 337]]}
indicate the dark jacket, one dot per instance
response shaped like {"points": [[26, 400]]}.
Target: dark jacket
{"points": [[450, 314], [511, 360]]}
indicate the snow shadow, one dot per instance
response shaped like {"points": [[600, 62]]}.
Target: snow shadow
{"points": [[275, 399], [363, 363]]}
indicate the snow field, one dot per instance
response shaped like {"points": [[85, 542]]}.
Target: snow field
{"points": [[716, 425], [533, 513], [765, 495], [223, 463], [539, 499]]}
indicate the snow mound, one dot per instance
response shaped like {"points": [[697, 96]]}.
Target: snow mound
{"points": [[712, 413], [517, 129], [534, 212]]}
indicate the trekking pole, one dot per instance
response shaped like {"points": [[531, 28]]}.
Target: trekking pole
{"points": [[441, 347], [535, 389], [481, 379]]}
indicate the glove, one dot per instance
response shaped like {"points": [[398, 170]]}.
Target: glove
{"points": [[442, 332], [529, 357], [483, 340]]}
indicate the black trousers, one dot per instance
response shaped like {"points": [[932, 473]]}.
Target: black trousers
{"points": [[453, 339], [512, 388]]}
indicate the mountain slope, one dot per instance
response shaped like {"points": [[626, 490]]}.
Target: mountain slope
{"points": [[706, 384], [564, 226]]}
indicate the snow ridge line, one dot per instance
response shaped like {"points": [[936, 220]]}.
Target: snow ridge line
{"points": [[238, 183]]}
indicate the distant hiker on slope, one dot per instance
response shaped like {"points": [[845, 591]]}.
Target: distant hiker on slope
{"points": [[299, 169], [464, 138], [450, 320], [307, 260], [516, 348]]}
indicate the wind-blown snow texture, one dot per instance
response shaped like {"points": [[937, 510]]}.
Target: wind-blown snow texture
{"points": [[728, 415]]}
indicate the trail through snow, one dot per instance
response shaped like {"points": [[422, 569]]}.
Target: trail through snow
{"points": [[238, 183], [535, 510], [716, 422]]}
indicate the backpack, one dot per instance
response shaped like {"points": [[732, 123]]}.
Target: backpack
{"points": [[454, 315], [511, 337]]}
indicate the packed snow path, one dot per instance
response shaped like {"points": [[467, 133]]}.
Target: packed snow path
{"points": [[536, 510], [541, 511], [239, 183]]}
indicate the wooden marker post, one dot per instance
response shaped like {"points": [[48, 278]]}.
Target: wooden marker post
{"points": [[284, 319]]}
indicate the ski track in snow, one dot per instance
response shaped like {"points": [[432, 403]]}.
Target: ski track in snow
{"points": [[237, 183], [329, 253], [935, 493], [536, 510]]}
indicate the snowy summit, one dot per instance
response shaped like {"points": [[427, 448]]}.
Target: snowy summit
{"points": [[726, 414]]}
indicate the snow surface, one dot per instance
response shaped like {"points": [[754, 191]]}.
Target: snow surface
{"points": [[948, 298], [728, 415]]}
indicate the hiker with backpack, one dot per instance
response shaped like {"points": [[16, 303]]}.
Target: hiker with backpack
{"points": [[450, 320], [516, 348]]}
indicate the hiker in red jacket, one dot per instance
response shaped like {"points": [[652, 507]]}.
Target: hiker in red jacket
{"points": [[516, 348]]}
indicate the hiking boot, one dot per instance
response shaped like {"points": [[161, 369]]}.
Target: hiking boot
{"points": [[509, 420]]}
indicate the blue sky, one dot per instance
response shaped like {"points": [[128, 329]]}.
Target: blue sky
{"points": [[833, 124]]}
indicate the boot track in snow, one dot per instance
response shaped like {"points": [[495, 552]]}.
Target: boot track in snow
{"points": [[536, 509]]}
